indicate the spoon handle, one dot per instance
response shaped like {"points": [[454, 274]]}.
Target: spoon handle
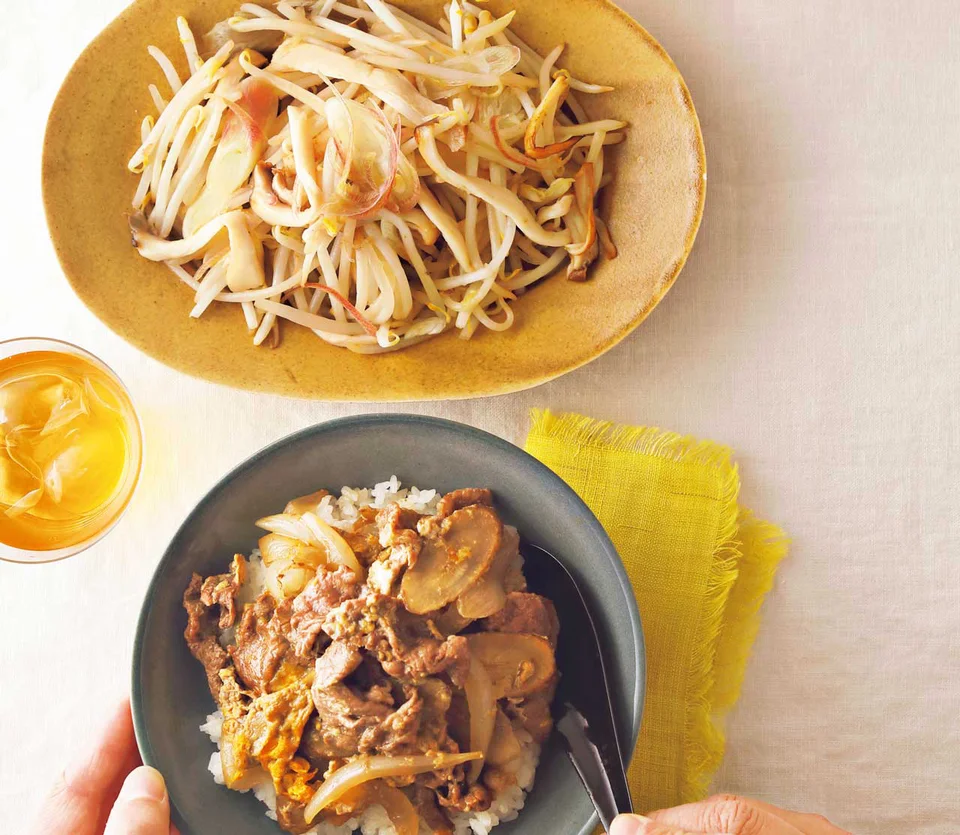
{"points": [[601, 770]]}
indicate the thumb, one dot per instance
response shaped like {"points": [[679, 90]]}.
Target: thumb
{"points": [[639, 825], [142, 807]]}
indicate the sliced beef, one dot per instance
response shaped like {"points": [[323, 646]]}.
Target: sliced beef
{"points": [[344, 669], [342, 717], [449, 504], [260, 643], [233, 700], [429, 657], [290, 815], [383, 573], [222, 589], [319, 747], [405, 645], [323, 593], [425, 802], [364, 537], [398, 732], [456, 794], [202, 633], [437, 698], [463, 498], [396, 524], [533, 712], [418, 726], [402, 544], [336, 663], [527, 613]]}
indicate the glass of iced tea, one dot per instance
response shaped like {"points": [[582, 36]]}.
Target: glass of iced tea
{"points": [[70, 449]]}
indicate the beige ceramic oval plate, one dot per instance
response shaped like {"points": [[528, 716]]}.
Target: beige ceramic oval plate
{"points": [[653, 207]]}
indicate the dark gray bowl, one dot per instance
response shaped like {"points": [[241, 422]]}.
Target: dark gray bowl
{"points": [[170, 696]]}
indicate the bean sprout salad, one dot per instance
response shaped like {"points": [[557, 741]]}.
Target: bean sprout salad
{"points": [[356, 171]]}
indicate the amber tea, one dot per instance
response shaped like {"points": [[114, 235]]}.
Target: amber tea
{"points": [[69, 449]]}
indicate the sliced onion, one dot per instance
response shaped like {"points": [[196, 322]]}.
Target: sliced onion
{"points": [[483, 712], [364, 769], [395, 803], [367, 158], [504, 745], [275, 547], [288, 525], [285, 578], [337, 549], [302, 504]]}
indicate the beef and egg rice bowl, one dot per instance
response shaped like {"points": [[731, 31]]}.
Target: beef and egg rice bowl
{"points": [[378, 664]]}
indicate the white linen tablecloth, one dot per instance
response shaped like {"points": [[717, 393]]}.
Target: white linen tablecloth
{"points": [[816, 329]]}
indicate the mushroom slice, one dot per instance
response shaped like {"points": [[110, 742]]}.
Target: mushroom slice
{"points": [[518, 665], [452, 559], [487, 595]]}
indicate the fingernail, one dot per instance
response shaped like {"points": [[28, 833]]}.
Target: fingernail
{"points": [[629, 825], [144, 783]]}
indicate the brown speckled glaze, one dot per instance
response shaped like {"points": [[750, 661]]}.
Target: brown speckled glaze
{"points": [[653, 207]]}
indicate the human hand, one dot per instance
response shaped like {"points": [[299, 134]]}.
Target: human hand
{"points": [[725, 814], [108, 791]]}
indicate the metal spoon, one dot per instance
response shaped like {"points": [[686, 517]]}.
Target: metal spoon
{"points": [[586, 720]]}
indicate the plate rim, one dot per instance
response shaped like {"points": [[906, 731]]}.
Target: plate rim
{"points": [[383, 420]]}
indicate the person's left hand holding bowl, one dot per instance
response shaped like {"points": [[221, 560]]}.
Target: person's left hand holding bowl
{"points": [[108, 791]]}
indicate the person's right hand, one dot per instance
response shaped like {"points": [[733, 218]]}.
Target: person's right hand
{"points": [[725, 814]]}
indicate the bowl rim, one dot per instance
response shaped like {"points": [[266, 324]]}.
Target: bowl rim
{"points": [[386, 420]]}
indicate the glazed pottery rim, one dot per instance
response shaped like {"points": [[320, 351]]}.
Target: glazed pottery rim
{"points": [[500, 386], [539, 470]]}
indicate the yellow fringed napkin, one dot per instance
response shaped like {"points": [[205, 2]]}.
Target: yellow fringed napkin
{"points": [[700, 567]]}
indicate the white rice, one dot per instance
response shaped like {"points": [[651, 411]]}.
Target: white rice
{"points": [[342, 513]]}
